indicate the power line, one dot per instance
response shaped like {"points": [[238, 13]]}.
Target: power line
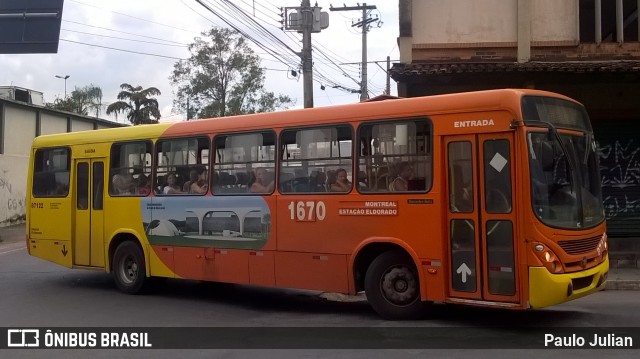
{"points": [[122, 38], [286, 60], [133, 17], [123, 50], [123, 32]]}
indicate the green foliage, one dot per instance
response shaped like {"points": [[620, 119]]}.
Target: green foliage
{"points": [[83, 101], [137, 104], [222, 77]]}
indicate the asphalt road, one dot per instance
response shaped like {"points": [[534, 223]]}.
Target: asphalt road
{"points": [[35, 293]]}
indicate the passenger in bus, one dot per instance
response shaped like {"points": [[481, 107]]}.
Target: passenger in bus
{"points": [[331, 179], [198, 180], [263, 182], [341, 184], [121, 185], [317, 182], [172, 186], [401, 182], [144, 186]]}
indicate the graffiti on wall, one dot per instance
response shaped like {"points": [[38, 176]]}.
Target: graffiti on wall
{"points": [[620, 172], [14, 202]]}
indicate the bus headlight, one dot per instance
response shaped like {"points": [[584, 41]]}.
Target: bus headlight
{"points": [[548, 258], [603, 246]]}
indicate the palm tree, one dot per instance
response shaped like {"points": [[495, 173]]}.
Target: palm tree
{"points": [[138, 106]]}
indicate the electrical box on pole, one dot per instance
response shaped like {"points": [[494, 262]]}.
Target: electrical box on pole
{"points": [[306, 20]]}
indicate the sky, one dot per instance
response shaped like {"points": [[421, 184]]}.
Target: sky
{"points": [[99, 41]]}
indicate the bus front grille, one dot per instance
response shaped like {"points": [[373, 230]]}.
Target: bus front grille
{"points": [[578, 246]]}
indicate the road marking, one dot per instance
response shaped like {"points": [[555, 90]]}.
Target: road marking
{"points": [[13, 247]]}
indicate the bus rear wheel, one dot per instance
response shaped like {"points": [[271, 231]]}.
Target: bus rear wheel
{"points": [[128, 268], [392, 287]]}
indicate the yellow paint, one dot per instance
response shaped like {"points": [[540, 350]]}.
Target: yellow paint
{"points": [[546, 289], [52, 250], [158, 268]]}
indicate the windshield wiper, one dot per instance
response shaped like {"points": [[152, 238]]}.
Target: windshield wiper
{"points": [[556, 135], [587, 148]]}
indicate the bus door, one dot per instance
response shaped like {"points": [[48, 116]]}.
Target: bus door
{"points": [[481, 218], [88, 245]]}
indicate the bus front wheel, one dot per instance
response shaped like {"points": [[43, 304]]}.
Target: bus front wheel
{"points": [[128, 268], [392, 287]]}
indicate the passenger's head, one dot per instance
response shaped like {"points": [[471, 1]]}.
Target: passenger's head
{"points": [[405, 170], [171, 178], [261, 175], [193, 175], [341, 175], [120, 183]]}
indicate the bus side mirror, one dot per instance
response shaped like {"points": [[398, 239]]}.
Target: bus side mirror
{"points": [[547, 156]]}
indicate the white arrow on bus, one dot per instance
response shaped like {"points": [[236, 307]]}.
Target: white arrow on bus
{"points": [[465, 271]]}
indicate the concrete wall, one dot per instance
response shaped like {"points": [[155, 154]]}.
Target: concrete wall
{"points": [[18, 129], [53, 123], [490, 21], [554, 20], [79, 125]]}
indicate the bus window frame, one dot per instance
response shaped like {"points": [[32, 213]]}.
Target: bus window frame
{"points": [[430, 149], [155, 158], [212, 160], [281, 147], [69, 170], [110, 168]]}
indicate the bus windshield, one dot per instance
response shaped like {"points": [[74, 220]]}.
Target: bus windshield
{"points": [[565, 180]]}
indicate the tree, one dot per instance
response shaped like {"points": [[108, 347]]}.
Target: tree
{"points": [[80, 101], [222, 77], [138, 107]]}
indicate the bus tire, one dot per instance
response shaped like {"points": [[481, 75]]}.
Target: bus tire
{"points": [[392, 286], [129, 271]]}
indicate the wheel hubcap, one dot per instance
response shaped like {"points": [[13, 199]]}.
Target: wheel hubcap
{"points": [[129, 270], [400, 286]]}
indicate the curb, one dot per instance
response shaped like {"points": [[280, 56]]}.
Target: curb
{"points": [[622, 285]]}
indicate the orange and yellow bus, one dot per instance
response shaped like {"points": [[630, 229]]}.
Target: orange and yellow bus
{"points": [[486, 198]]}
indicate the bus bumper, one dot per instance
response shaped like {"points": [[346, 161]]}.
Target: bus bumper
{"points": [[547, 289]]}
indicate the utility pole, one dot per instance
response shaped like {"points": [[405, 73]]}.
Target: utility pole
{"points": [[306, 20], [388, 88], [307, 70], [364, 23]]}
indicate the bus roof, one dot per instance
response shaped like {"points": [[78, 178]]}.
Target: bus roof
{"points": [[391, 108]]}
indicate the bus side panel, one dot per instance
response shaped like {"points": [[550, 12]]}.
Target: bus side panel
{"points": [[55, 251], [226, 265], [48, 239], [262, 268], [46, 216], [161, 261], [326, 272]]}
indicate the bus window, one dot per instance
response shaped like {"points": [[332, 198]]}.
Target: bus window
{"points": [[460, 177], [316, 160], [51, 172], [497, 176], [182, 166], [395, 157], [130, 172], [244, 163]]}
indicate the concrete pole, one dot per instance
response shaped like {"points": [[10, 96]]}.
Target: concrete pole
{"points": [[364, 92], [307, 68], [388, 89], [598, 9], [524, 31], [619, 22]]}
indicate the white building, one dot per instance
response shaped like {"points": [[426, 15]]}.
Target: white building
{"points": [[22, 118]]}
